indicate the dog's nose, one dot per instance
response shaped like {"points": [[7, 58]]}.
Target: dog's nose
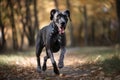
{"points": [[63, 23]]}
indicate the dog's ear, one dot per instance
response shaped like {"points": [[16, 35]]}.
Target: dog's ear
{"points": [[52, 12], [67, 12]]}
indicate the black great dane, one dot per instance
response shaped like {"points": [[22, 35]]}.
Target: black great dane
{"points": [[53, 38]]}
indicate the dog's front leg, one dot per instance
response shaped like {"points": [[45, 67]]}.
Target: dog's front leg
{"points": [[61, 59], [53, 61], [50, 54]]}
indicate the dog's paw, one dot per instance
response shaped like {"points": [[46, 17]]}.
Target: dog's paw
{"points": [[44, 67], [39, 69], [56, 71], [60, 65]]}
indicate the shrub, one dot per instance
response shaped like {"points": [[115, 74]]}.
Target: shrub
{"points": [[112, 65]]}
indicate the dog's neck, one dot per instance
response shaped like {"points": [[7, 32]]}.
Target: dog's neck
{"points": [[55, 32], [55, 28]]}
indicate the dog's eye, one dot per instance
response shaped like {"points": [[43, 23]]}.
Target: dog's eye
{"points": [[65, 16], [58, 16]]}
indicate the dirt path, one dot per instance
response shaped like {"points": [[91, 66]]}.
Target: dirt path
{"points": [[76, 68]]}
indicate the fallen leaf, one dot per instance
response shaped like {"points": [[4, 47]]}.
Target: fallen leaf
{"points": [[107, 78], [101, 73]]}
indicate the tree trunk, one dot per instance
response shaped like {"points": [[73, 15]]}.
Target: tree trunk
{"points": [[105, 37], [118, 14], [56, 4], [109, 30], [31, 29], [23, 24], [71, 26], [93, 32], [85, 25], [14, 33], [3, 35], [36, 23]]}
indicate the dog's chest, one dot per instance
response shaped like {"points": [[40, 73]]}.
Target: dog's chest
{"points": [[54, 34], [55, 41], [55, 44], [55, 37]]}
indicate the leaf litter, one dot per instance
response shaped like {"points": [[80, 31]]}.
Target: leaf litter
{"points": [[26, 70]]}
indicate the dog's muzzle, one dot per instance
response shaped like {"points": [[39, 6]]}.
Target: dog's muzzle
{"points": [[62, 28]]}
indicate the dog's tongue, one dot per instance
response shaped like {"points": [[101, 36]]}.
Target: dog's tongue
{"points": [[61, 30]]}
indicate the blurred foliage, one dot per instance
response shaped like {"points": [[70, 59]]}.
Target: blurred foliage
{"points": [[112, 64]]}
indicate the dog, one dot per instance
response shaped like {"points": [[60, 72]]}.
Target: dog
{"points": [[53, 38]]}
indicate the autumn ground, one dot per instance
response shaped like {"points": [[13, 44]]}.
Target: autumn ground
{"points": [[86, 63]]}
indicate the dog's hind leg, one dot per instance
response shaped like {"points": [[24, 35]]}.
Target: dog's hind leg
{"points": [[38, 52], [45, 60], [39, 48]]}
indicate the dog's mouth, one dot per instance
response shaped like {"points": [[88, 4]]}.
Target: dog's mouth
{"points": [[61, 30]]}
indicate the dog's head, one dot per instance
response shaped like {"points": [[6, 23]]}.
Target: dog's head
{"points": [[60, 19]]}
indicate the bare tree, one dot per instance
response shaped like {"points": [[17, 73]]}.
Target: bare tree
{"points": [[31, 30], [85, 24], [118, 14], [93, 32], [71, 26], [56, 4], [23, 23], [2, 34], [36, 23], [2, 43], [14, 33], [29, 26]]}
